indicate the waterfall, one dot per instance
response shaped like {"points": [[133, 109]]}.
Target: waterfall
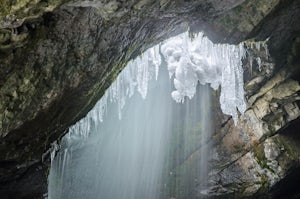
{"points": [[145, 144]]}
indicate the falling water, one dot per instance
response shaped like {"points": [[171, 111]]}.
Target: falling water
{"points": [[143, 144], [127, 158]]}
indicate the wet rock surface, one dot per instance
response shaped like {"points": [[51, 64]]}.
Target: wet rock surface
{"points": [[57, 60]]}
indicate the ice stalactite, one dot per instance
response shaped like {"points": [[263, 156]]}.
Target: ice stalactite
{"points": [[258, 46]]}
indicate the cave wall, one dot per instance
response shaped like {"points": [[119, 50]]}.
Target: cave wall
{"points": [[254, 155], [58, 57], [259, 156]]}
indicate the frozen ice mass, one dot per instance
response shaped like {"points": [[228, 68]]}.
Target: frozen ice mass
{"points": [[189, 61], [199, 60]]}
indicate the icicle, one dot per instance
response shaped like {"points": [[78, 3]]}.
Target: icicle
{"points": [[155, 59], [54, 149], [267, 51], [143, 75], [258, 60], [251, 63], [257, 45], [266, 47]]}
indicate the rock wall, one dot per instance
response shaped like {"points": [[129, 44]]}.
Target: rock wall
{"points": [[256, 154], [58, 57]]}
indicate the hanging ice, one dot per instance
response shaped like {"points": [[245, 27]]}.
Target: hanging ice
{"points": [[189, 61], [200, 60]]}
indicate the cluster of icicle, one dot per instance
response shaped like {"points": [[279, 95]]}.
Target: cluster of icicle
{"points": [[135, 76], [258, 45], [189, 61]]}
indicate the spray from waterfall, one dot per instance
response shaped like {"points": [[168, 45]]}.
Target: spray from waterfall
{"points": [[143, 144]]}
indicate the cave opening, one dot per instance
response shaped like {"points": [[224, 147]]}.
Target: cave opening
{"points": [[148, 137]]}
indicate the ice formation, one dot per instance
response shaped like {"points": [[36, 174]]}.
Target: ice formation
{"points": [[189, 61], [258, 45], [200, 60]]}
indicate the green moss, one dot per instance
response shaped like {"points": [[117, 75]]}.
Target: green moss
{"points": [[4, 7], [39, 34], [238, 148], [27, 9], [4, 35], [259, 155], [19, 4], [264, 185]]}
